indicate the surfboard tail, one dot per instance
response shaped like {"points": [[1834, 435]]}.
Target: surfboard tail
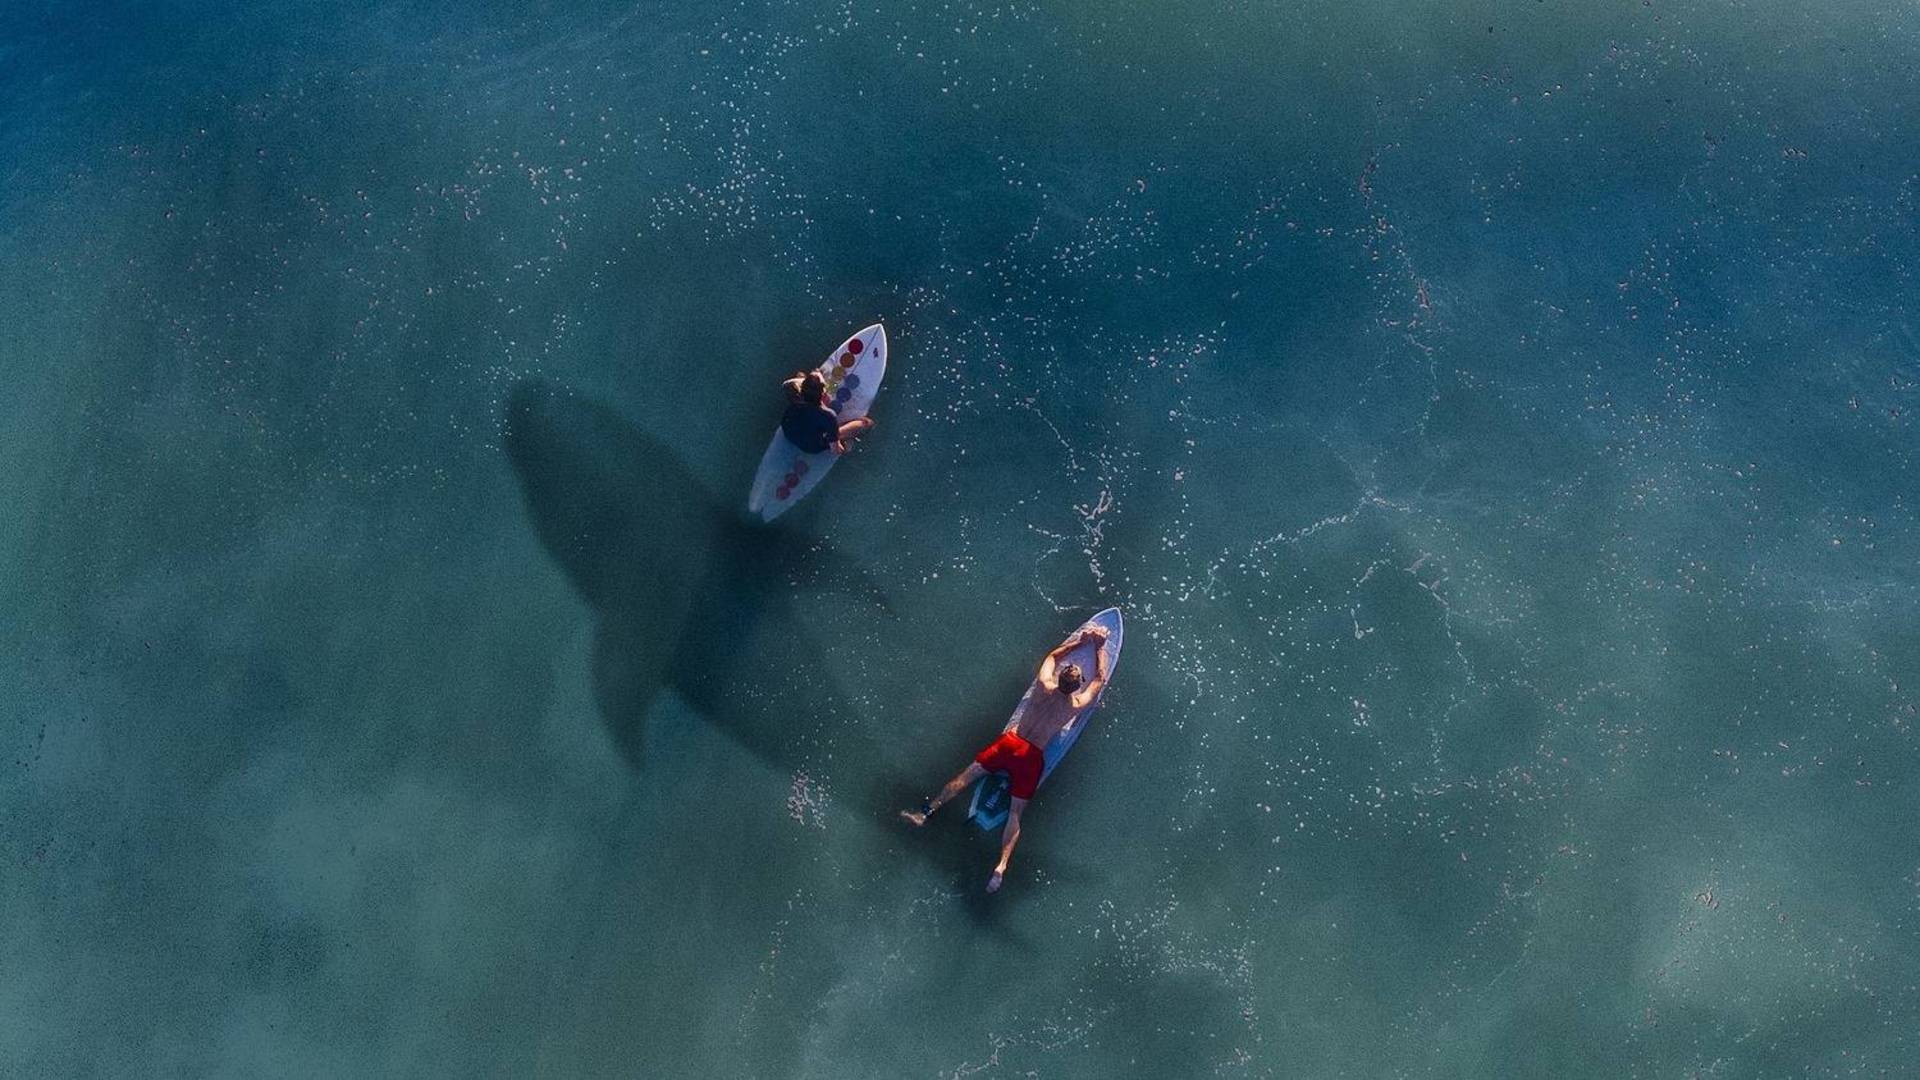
{"points": [[991, 802]]}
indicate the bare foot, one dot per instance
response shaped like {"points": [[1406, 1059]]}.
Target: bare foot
{"points": [[913, 817], [993, 883]]}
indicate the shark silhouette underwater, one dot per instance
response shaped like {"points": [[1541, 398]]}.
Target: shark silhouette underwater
{"points": [[689, 597], [694, 599]]}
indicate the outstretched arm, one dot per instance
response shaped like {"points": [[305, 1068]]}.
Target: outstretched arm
{"points": [[1050, 667], [1089, 693], [1008, 837]]}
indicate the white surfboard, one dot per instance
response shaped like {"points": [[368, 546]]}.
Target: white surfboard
{"points": [[990, 795], [786, 474]]}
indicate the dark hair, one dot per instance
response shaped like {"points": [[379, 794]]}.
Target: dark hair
{"points": [[813, 387], [1069, 677]]}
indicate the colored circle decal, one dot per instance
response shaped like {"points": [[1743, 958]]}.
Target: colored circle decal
{"points": [[854, 345], [782, 493], [789, 480], [841, 397], [853, 381], [846, 359]]}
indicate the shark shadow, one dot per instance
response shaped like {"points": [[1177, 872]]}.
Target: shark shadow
{"points": [[692, 598], [689, 596]]}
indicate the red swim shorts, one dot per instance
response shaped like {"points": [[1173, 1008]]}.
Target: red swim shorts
{"points": [[1019, 759]]}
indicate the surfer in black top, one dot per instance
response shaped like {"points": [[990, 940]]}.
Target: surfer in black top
{"points": [[810, 423]]}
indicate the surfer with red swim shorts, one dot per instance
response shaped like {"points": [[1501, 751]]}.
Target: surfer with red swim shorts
{"points": [[1063, 695], [810, 423]]}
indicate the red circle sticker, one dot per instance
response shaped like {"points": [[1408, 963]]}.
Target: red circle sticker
{"points": [[780, 494], [789, 480], [854, 345]]}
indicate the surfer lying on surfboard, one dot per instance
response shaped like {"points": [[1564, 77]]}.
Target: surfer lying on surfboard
{"points": [[810, 423], [1020, 751]]}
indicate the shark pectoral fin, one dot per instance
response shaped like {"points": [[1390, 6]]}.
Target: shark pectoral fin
{"points": [[754, 669], [631, 664]]}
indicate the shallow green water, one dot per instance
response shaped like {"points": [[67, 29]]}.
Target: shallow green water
{"points": [[1496, 421]]}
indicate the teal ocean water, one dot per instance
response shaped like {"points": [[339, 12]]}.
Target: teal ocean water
{"points": [[1496, 420]]}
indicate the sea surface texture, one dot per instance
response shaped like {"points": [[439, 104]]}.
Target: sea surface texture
{"points": [[1496, 420]]}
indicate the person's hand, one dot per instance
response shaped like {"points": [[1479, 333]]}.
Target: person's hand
{"points": [[993, 883], [1094, 633]]}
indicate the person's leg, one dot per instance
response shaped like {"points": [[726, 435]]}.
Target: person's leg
{"points": [[955, 786], [1008, 837], [850, 431]]}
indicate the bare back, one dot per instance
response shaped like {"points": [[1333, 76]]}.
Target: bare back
{"points": [[1048, 713]]}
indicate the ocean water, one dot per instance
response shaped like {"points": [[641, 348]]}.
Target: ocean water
{"points": [[1496, 420]]}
